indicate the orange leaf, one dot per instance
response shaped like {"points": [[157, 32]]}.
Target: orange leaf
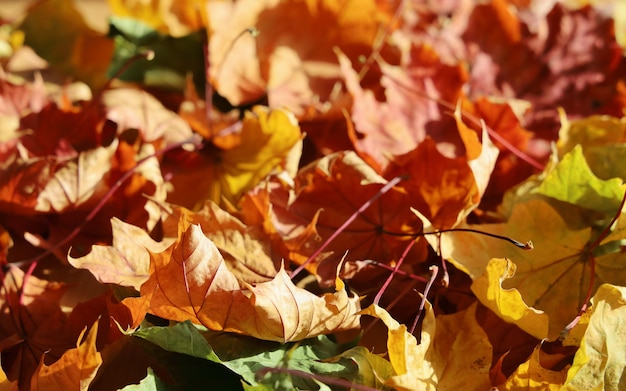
{"points": [[292, 59], [75, 370], [126, 262], [190, 281], [246, 249]]}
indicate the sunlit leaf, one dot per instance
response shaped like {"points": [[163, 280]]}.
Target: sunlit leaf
{"points": [[599, 362]]}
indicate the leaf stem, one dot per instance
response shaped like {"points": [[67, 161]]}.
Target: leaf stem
{"points": [[524, 246], [434, 269], [393, 272]]}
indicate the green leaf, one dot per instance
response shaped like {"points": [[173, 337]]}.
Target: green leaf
{"points": [[174, 58], [572, 181], [148, 383], [247, 356], [182, 338], [196, 369]]}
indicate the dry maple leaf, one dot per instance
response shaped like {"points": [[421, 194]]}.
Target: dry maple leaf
{"points": [[84, 54], [176, 18], [246, 249], [292, 59], [532, 375], [127, 261], [323, 198], [447, 189], [265, 139], [190, 281], [554, 277], [410, 110], [411, 361]]}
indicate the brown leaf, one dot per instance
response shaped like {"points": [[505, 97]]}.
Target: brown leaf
{"points": [[190, 281], [245, 249], [324, 197], [567, 58], [447, 189]]}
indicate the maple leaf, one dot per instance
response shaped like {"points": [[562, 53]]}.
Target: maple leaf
{"points": [[189, 281], [410, 360], [322, 200], [508, 303], [532, 375], [292, 59], [131, 108], [545, 276], [77, 367], [265, 140], [447, 189], [175, 18], [601, 139], [410, 110], [245, 249], [127, 261], [598, 363]]}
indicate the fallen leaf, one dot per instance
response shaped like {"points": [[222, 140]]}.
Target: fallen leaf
{"points": [[447, 189], [33, 324], [266, 138], [75, 369], [190, 281], [572, 181], [508, 303], [175, 18], [460, 336], [127, 261], [410, 360], [531, 58], [599, 362], [531, 375], [545, 275], [324, 198], [246, 249], [410, 110], [292, 59]]}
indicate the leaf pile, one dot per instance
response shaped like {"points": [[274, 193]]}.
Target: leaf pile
{"points": [[319, 194]]}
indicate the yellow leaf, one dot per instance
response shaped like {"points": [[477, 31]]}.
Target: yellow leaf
{"points": [[508, 303], [75, 370], [264, 141], [600, 362], [462, 351], [414, 370], [532, 376]]}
